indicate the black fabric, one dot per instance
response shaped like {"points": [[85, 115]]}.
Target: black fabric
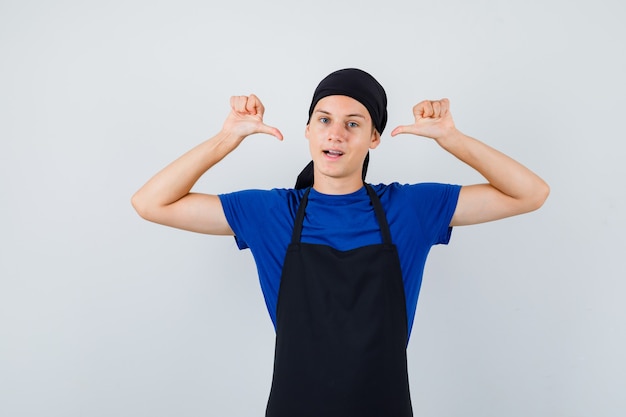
{"points": [[359, 85], [341, 330]]}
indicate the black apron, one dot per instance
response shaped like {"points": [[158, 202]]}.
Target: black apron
{"points": [[341, 330]]}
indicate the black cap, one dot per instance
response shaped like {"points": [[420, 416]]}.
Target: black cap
{"points": [[359, 85]]}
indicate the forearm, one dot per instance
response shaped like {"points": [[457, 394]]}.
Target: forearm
{"points": [[502, 172], [176, 180]]}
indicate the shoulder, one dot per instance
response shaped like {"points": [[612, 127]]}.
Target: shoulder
{"points": [[423, 209], [432, 190], [426, 201], [274, 198], [260, 207], [257, 216]]}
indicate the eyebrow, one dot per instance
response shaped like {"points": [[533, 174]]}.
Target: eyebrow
{"points": [[347, 115]]}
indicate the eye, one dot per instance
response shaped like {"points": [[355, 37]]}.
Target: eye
{"points": [[353, 124], [324, 120]]}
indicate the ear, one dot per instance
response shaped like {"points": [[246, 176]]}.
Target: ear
{"points": [[375, 140], [306, 131]]}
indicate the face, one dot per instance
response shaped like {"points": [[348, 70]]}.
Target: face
{"points": [[340, 134]]}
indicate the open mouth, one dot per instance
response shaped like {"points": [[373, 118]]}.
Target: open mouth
{"points": [[333, 153]]}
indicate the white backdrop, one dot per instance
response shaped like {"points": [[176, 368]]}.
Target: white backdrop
{"points": [[104, 314]]}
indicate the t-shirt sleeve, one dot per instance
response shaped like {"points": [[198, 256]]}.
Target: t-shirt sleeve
{"points": [[435, 204], [253, 215], [237, 211]]}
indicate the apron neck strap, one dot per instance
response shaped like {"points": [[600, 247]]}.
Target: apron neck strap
{"points": [[378, 210]]}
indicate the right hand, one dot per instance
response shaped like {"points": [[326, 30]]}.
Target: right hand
{"points": [[246, 118]]}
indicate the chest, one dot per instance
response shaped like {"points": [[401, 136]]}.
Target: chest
{"points": [[343, 227]]}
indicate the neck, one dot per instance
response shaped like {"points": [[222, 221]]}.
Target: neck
{"points": [[327, 185]]}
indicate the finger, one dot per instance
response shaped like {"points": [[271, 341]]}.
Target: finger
{"points": [[423, 109], [445, 106], [271, 131], [254, 105], [400, 130], [238, 103], [436, 109]]}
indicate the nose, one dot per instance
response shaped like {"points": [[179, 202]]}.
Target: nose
{"points": [[336, 132]]}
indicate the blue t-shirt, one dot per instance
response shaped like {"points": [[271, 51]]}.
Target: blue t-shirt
{"points": [[418, 215]]}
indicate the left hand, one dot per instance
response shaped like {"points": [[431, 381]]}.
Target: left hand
{"points": [[432, 120]]}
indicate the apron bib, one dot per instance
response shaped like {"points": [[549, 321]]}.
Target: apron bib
{"points": [[341, 330]]}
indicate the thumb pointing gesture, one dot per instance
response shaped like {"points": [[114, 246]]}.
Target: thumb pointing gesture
{"points": [[246, 117], [432, 120]]}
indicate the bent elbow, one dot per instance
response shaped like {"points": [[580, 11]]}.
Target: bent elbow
{"points": [[540, 196], [139, 205]]}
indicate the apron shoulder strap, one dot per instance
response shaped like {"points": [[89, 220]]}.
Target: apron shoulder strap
{"points": [[297, 226], [380, 215]]}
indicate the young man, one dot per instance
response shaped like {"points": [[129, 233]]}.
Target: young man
{"points": [[341, 261]]}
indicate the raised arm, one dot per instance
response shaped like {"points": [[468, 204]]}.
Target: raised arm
{"points": [[512, 188], [166, 198]]}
